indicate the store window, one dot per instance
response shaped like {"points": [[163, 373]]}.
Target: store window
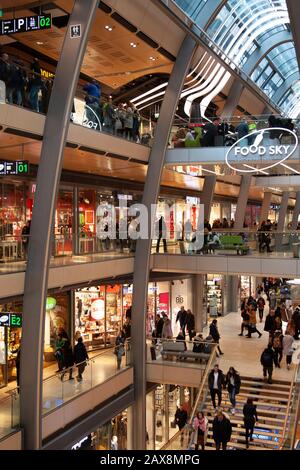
{"points": [[10, 341], [12, 209], [64, 223], [214, 287], [98, 315]]}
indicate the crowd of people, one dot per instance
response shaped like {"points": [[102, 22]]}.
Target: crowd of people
{"points": [[220, 132], [26, 86]]}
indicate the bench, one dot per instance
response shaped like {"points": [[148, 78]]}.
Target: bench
{"points": [[177, 349], [233, 242]]}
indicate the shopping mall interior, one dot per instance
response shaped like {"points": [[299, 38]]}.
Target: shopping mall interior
{"points": [[149, 225]]}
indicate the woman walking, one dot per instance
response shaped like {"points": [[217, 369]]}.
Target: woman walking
{"points": [[119, 348], [233, 384], [200, 425], [250, 417]]}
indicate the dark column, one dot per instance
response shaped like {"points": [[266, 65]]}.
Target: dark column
{"points": [[233, 99], [296, 212], [207, 194], [36, 279], [242, 202], [143, 251]]}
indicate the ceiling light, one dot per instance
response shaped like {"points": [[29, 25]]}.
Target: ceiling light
{"points": [[133, 44], [152, 58], [108, 28], [39, 43]]}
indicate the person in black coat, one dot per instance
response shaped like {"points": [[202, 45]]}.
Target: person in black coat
{"points": [[221, 431], [190, 324], [233, 384], [214, 332], [216, 380], [181, 317], [267, 360], [181, 419], [80, 355], [270, 322], [68, 359], [159, 326], [250, 416]]}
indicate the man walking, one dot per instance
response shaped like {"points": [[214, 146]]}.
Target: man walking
{"points": [[221, 431], [267, 360], [216, 380], [182, 318]]}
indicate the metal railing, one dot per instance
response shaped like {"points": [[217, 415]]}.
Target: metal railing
{"points": [[61, 387], [200, 399], [290, 422]]}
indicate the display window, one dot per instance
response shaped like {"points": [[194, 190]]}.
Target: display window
{"points": [[57, 320], [98, 315], [10, 341], [12, 209], [214, 286], [64, 223]]}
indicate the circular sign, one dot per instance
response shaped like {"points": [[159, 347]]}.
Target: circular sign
{"points": [[268, 156], [98, 309]]}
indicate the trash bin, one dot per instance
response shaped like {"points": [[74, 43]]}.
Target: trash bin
{"points": [[296, 250]]}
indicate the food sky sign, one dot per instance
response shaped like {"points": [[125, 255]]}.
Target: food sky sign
{"points": [[260, 149]]}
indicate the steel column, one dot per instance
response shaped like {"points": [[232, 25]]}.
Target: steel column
{"points": [[242, 202], [265, 207], [143, 250], [36, 279], [283, 211], [233, 99], [207, 194], [296, 212], [198, 294]]}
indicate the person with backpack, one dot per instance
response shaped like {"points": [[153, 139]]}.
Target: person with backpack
{"points": [[221, 430], [216, 381], [250, 417], [233, 384], [80, 356], [278, 347], [267, 360], [261, 305]]}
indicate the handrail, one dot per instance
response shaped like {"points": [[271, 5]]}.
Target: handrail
{"points": [[282, 439], [201, 387], [203, 381]]}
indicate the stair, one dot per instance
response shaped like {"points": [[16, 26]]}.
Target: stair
{"points": [[271, 401]]}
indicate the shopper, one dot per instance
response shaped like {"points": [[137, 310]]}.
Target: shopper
{"points": [[214, 332], [252, 323], [233, 384], [250, 417], [159, 324], [261, 305], [59, 345], [35, 85], [182, 318], [288, 350], [245, 318], [25, 237], [296, 319], [267, 360], [68, 358], [278, 347], [210, 132], [80, 356], [221, 430], [119, 348], [167, 331], [270, 323], [216, 381], [128, 124], [181, 420], [200, 425], [161, 232], [190, 324]]}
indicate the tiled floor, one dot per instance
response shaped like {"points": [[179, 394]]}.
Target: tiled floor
{"points": [[244, 353]]}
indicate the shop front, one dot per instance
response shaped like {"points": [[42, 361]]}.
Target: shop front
{"points": [[110, 436], [161, 406], [214, 294], [57, 319]]}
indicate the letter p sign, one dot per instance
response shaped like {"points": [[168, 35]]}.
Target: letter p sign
{"points": [[21, 24]]}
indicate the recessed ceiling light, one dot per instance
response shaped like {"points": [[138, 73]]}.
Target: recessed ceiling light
{"points": [[39, 43], [109, 28], [152, 58], [133, 44]]}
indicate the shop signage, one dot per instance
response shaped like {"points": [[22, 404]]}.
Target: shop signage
{"points": [[14, 168], [50, 303], [25, 23], [91, 120], [179, 299], [11, 319], [262, 151]]}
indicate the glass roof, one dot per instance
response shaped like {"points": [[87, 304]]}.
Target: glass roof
{"points": [[241, 27]]}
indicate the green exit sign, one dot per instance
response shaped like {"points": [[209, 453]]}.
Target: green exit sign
{"points": [[16, 320], [1, 13]]}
